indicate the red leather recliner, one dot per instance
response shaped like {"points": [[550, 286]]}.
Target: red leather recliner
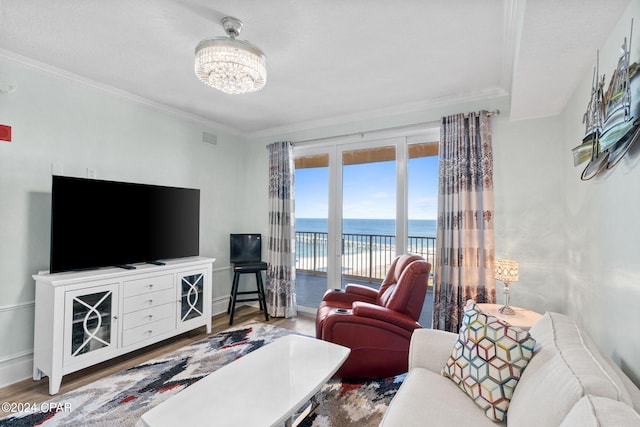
{"points": [[376, 325]]}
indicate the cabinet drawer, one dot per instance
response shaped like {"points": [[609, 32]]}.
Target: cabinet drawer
{"points": [[148, 300], [150, 284], [149, 330], [148, 315]]}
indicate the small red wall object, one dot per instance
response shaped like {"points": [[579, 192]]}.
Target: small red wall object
{"points": [[5, 133]]}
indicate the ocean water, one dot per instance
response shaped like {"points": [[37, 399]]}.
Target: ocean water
{"points": [[384, 227]]}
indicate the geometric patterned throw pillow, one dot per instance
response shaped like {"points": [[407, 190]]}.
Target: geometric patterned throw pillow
{"points": [[488, 359]]}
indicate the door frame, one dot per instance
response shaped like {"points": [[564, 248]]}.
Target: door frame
{"points": [[401, 138]]}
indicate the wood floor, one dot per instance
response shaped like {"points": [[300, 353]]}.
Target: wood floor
{"points": [[38, 391]]}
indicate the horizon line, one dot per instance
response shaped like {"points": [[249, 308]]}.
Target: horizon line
{"points": [[369, 219]]}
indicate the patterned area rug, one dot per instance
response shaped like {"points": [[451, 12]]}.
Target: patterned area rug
{"points": [[353, 403], [121, 399]]}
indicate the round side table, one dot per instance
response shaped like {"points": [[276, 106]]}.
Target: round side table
{"points": [[522, 319]]}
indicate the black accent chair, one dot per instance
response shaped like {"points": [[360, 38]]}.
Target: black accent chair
{"points": [[246, 257]]}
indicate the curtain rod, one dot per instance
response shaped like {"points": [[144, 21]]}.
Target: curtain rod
{"points": [[433, 123]]}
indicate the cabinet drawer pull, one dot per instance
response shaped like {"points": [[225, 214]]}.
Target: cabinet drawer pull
{"points": [[150, 301], [150, 316], [150, 285]]}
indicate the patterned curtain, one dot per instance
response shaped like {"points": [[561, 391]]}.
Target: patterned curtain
{"points": [[281, 274], [465, 239]]}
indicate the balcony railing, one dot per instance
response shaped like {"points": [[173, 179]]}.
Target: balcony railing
{"points": [[364, 256]]}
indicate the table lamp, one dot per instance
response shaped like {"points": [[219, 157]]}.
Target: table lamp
{"points": [[507, 271]]}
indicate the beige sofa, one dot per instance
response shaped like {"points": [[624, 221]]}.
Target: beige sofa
{"points": [[568, 382]]}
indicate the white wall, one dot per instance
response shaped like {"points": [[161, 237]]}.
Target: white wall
{"points": [[74, 126], [529, 209], [602, 225]]}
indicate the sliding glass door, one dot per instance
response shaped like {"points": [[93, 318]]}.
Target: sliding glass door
{"points": [[358, 206], [422, 200], [312, 226], [368, 215]]}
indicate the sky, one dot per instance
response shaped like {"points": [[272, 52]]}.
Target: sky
{"points": [[369, 190]]}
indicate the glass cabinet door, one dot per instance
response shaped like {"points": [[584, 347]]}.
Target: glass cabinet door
{"points": [[191, 296], [90, 316]]}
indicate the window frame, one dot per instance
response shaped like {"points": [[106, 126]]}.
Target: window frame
{"points": [[401, 139]]}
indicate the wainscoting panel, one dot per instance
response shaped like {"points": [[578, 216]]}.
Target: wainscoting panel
{"points": [[16, 336]]}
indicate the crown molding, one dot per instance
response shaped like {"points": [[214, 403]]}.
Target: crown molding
{"points": [[386, 113], [10, 56], [383, 113]]}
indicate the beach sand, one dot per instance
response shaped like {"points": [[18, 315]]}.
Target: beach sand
{"points": [[362, 264]]}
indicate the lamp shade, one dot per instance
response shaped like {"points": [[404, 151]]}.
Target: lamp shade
{"points": [[506, 270]]}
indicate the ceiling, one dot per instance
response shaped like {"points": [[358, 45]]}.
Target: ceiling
{"points": [[328, 61]]}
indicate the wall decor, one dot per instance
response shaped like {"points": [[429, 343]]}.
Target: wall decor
{"points": [[612, 119]]}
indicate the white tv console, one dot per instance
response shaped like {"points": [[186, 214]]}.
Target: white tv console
{"points": [[84, 318]]}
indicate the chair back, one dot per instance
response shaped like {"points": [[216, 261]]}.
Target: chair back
{"points": [[405, 286]]}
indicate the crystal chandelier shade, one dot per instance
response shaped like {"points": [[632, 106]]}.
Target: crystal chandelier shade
{"points": [[230, 65]]}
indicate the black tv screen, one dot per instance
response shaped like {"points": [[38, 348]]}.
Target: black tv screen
{"points": [[245, 248], [96, 223]]}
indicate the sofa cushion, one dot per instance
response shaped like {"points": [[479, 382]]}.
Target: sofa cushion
{"points": [[430, 349], [566, 367], [426, 398], [488, 359], [591, 411]]}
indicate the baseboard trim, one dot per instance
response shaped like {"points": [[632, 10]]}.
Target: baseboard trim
{"points": [[309, 311], [17, 371], [14, 356], [16, 366], [219, 305]]}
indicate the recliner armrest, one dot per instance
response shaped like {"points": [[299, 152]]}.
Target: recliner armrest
{"points": [[364, 309], [339, 297], [351, 294], [430, 349], [367, 293]]}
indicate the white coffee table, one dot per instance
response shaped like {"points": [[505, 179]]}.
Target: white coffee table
{"points": [[263, 388]]}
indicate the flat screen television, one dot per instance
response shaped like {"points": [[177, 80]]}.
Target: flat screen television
{"points": [[97, 223], [245, 248]]}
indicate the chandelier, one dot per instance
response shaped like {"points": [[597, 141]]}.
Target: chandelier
{"points": [[230, 65]]}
